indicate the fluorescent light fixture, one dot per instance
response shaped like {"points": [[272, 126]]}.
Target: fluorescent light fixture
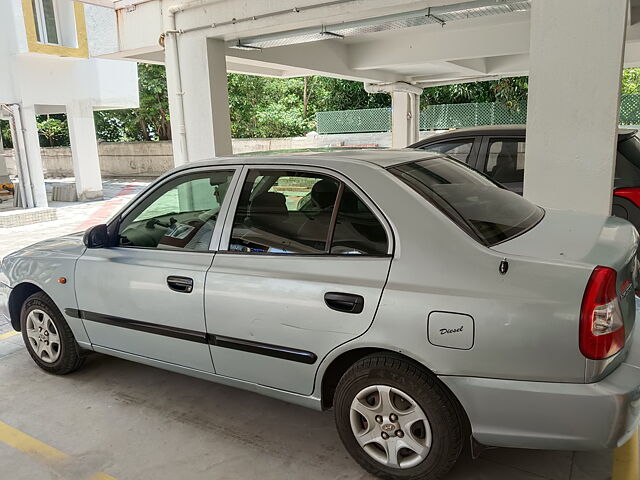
{"points": [[240, 46], [331, 34], [426, 16]]}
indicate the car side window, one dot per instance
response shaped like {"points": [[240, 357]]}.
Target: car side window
{"points": [[285, 212], [505, 160], [627, 172], [357, 229], [458, 149], [181, 214]]}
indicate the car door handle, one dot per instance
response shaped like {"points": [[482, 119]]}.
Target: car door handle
{"points": [[344, 302], [180, 284]]}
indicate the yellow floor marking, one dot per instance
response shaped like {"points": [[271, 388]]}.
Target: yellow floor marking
{"points": [[31, 446], [626, 464], [102, 476], [8, 335], [27, 444]]}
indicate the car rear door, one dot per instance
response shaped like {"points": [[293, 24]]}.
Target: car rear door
{"points": [[145, 295], [502, 158], [302, 263]]}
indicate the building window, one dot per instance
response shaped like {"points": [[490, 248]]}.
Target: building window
{"points": [[55, 22], [46, 18]]}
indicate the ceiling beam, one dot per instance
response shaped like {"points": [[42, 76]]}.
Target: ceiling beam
{"points": [[632, 54], [430, 44], [249, 69], [474, 66], [328, 58]]}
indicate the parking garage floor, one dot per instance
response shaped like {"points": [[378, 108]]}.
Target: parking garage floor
{"points": [[115, 419]]}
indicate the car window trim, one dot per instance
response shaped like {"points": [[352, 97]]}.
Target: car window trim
{"points": [[334, 219], [114, 224], [227, 228]]}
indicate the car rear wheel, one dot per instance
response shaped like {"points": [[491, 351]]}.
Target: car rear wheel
{"points": [[396, 420], [48, 337]]}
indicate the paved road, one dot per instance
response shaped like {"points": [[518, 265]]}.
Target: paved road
{"points": [[72, 217]]}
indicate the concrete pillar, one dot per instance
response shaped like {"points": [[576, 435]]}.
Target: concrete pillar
{"points": [[201, 86], [405, 118], [34, 159], [84, 151], [577, 49]]}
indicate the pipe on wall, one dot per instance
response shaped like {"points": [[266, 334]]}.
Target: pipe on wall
{"points": [[19, 147]]}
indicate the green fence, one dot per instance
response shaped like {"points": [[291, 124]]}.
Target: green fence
{"points": [[470, 115], [354, 121], [630, 110], [442, 117]]}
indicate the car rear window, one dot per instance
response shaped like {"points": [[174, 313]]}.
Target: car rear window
{"points": [[485, 210], [627, 172]]}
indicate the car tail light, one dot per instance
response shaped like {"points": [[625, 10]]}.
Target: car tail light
{"points": [[601, 325], [630, 193]]}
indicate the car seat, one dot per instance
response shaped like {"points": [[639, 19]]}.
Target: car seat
{"points": [[268, 211]]}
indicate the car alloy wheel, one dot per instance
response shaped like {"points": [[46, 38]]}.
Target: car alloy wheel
{"points": [[43, 336], [390, 426], [397, 420], [47, 336]]}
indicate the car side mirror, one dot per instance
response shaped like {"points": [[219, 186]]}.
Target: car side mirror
{"points": [[96, 237]]}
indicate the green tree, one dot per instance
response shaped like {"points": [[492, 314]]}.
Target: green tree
{"points": [[153, 114], [53, 130], [148, 122], [511, 92], [631, 81], [268, 107], [5, 133]]}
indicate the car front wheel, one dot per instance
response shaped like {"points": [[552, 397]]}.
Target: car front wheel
{"points": [[396, 420], [48, 337]]}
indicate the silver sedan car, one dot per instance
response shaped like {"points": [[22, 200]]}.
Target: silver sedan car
{"points": [[421, 301]]}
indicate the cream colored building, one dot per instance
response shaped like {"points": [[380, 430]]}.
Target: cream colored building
{"points": [[48, 65]]}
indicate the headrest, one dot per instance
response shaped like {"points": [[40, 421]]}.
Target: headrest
{"points": [[269, 203], [505, 160], [324, 193]]}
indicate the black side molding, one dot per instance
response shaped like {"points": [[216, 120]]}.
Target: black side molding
{"points": [[269, 350], [155, 328]]}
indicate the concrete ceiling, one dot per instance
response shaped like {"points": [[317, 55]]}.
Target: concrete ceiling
{"points": [[465, 50]]}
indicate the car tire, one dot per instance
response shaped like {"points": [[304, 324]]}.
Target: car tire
{"points": [[363, 417], [47, 336]]}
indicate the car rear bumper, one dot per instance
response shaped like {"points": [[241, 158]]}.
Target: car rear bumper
{"points": [[560, 416]]}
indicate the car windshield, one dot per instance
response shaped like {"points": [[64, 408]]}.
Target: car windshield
{"points": [[482, 208]]}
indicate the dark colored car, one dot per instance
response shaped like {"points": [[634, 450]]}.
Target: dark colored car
{"points": [[499, 152]]}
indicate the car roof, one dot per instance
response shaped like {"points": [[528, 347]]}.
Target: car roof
{"points": [[382, 158], [497, 130]]}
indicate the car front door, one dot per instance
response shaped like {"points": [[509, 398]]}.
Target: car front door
{"points": [[302, 263], [145, 295]]}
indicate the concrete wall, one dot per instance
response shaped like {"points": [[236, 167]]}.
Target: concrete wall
{"points": [[102, 30], [134, 159]]}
